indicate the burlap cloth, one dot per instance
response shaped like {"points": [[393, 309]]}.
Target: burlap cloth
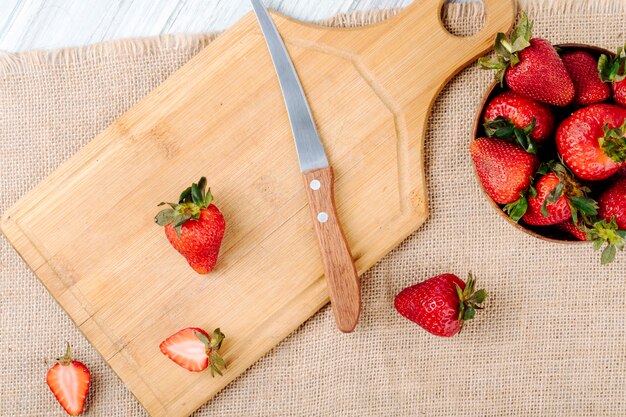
{"points": [[551, 340]]}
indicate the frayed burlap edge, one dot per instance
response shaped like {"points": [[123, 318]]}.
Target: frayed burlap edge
{"points": [[32, 60]]}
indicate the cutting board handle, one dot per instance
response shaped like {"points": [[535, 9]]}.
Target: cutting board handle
{"points": [[400, 40]]}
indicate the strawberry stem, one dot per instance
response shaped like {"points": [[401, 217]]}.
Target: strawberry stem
{"points": [[503, 128], [191, 202], [601, 232], [507, 48], [612, 69], [67, 359], [212, 345], [469, 300], [614, 142]]}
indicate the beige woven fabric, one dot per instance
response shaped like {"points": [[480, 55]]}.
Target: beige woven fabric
{"points": [[550, 342]]}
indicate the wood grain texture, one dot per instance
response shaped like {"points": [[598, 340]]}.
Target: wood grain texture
{"points": [[343, 283], [222, 115]]}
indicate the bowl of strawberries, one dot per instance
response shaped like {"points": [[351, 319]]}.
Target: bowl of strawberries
{"points": [[549, 143]]}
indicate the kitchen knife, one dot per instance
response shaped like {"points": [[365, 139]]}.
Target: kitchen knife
{"points": [[343, 281]]}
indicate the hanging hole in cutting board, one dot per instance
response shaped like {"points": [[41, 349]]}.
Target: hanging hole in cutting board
{"points": [[454, 17]]}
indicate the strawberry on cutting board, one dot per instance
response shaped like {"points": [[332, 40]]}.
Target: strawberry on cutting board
{"points": [[440, 304], [195, 350], [531, 66], [592, 141], [195, 227], [583, 69], [505, 171], [613, 71], [512, 115], [69, 381]]}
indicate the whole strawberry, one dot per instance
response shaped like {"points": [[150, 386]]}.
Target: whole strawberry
{"points": [[512, 115], [440, 304], [69, 381], [613, 70], [591, 141], [612, 203], [543, 212], [195, 350], [505, 171], [194, 227], [575, 231], [558, 197], [531, 66], [583, 69]]}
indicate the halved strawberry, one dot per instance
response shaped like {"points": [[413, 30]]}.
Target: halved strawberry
{"points": [[69, 381], [193, 349]]}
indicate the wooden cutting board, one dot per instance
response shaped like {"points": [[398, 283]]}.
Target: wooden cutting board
{"points": [[87, 231]]}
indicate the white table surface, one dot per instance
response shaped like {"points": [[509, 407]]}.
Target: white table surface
{"points": [[47, 24]]}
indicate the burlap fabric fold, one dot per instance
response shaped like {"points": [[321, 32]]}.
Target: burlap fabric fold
{"points": [[551, 340]]}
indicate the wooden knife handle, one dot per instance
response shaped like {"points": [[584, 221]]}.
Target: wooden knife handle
{"points": [[344, 287]]}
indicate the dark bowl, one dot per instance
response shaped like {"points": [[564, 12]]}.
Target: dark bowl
{"points": [[550, 234]]}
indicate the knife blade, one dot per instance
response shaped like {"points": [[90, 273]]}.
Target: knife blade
{"points": [[343, 282]]}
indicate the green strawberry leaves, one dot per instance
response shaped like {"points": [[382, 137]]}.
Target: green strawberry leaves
{"points": [[507, 48], [585, 212], [614, 142], [190, 203], [165, 217], [216, 362], [552, 198], [503, 128], [469, 300], [612, 69], [184, 195], [601, 232], [517, 209], [582, 205]]}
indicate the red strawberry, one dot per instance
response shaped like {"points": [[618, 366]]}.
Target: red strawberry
{"points": [[591, 141], [569, 227], [504, 169], [612, 203], [440, 304], [510, 114], [557, 197], [531, 66], [583, 69], [619, 92], [613, 70], [193, 349], [69, 381], [557, 211], [541, 75], [195, 227]]}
